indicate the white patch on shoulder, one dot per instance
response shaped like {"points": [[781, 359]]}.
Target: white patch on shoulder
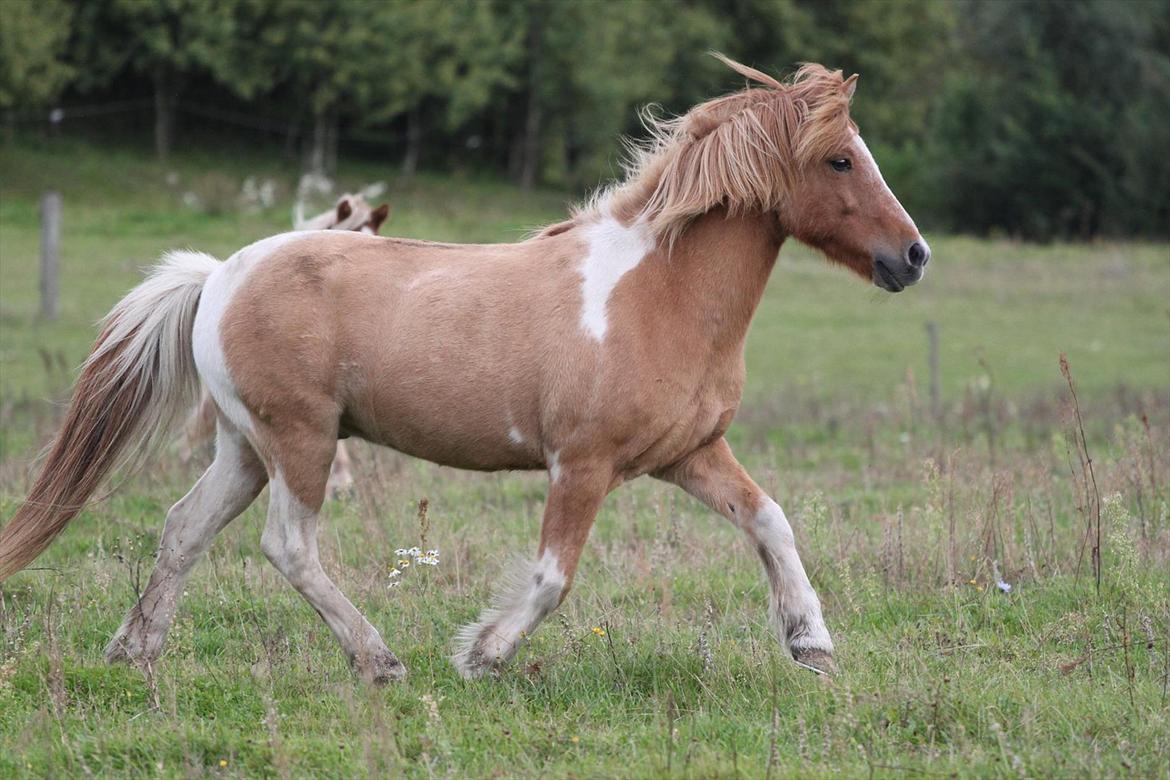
{"points": [[515, 435], [612, 250], [554, 466], [206, 343]]}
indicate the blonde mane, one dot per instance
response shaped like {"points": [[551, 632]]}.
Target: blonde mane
{"points": [[742, 151]]}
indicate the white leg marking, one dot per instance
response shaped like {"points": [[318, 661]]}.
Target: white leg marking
{"points": [[796, 610], [225, 490], [290, 542], [340, 476], [613, 249], [554, 466], [527, 594]]}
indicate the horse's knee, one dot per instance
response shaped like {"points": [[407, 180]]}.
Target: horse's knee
{"points": [[772, 528]]}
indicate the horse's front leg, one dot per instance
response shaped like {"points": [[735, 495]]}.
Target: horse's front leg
{"points": [[532, 590], [715, 477]]}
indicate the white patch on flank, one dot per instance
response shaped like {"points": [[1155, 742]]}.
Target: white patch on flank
{"points": [[515, 435], [793, 599], [612, 250], [527, 594], [554, 466], [206, 340]]}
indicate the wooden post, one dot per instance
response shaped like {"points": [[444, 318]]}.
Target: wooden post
{"points": [[50, 253], [935, 393]]}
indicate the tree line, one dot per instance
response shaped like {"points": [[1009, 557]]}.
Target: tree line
{"points": [[1030, 118]]}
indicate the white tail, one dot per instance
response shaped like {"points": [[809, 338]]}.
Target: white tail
{"points": [[140, 376]]}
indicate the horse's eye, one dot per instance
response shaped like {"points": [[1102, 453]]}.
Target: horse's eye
{"points": [[841, 164]]}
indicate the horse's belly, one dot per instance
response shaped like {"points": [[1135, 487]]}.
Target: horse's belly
{"points": [[460, 423], [446, 449]]}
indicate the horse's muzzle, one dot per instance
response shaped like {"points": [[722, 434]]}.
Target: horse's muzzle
{"points": [[895, 275]]}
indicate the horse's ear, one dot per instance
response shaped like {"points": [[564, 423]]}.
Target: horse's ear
{"points": [[343, 209], [849, 86], [378, 216]]}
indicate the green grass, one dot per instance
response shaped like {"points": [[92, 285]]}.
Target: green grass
{"points": [[902, 521]]}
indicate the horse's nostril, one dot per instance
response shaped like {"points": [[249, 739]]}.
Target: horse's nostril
{"points": [[918, 254]]}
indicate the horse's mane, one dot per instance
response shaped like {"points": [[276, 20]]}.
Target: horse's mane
{"points": [[742, 151]]}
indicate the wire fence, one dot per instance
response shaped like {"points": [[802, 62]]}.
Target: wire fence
{"points": [[55, 116]]}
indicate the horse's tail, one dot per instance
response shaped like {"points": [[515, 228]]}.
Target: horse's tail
{"points": [[140, 375]]}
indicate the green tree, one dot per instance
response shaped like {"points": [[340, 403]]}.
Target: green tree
{"points": [[444, 58], [33, 35], [324, 54], [167, 40], [586, 67], [1053, 127], [378, 61]]}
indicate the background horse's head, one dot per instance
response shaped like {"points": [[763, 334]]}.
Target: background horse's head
{"points": [[351, 212]]}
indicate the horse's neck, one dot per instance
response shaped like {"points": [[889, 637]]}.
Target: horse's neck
{"points": [[718, 269]]}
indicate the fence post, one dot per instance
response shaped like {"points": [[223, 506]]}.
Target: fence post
{"points": [[935, 393], [50, 253]]}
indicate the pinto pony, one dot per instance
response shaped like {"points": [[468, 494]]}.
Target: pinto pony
{"points": [[608, 347], [351, 212]]}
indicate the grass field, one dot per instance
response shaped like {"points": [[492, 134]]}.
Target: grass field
{"points": [[661, 662]]}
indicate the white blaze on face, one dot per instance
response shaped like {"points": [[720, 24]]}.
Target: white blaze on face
{"points": [[612, 250], [868, 167]]}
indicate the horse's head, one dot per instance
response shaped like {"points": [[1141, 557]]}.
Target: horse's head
{"points": [[839, 203], [353, 213], [783, 148]]}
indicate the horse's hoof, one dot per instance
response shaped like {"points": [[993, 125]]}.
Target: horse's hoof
{"points": [[815, 659], [470, 664], [381, 669], [117, 654], [121, 650], [473, 663], [341, 493]]}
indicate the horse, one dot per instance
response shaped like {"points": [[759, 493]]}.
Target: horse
{"points": [[607, 347], [350, 212]]}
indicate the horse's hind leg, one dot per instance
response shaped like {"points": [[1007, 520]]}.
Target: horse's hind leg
{"points": [[340, 475], [290, 542], [713, 475], [225, 490], [531, 592]]}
